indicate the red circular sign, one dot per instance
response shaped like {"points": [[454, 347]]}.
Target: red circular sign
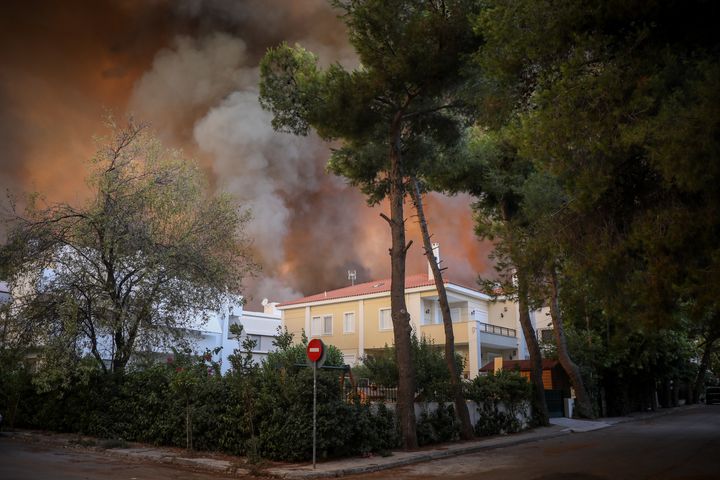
{"points": [[315, 349]]}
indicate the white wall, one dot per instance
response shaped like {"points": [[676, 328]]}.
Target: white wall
{"points": [[263, 326]]}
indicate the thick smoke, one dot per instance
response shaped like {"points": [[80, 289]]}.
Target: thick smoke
{"points": [[190, 68], [211, 83]]}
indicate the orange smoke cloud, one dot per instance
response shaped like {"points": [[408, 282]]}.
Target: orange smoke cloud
{"points": [[190, 68]]}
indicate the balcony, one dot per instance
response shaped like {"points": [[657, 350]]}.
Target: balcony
{"points": [[495, 330], [494, 336]]}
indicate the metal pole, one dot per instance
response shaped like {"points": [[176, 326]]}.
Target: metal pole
{"points": [[314, 410]]}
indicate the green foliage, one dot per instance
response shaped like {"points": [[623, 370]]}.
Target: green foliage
{"points": [[432, 377], [500, 397], [620, 106], [261, 411], [438, 426], [289, 356], [148, 406], [147, 253]]}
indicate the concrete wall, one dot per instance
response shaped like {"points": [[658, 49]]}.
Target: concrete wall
{"points": [[523, 414]]}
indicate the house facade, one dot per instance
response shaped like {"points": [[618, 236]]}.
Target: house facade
{"points": [[356, 319], [259, 326]]}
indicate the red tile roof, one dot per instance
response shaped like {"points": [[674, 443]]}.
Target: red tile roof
{"points": [[367, 288], [522, 365]]}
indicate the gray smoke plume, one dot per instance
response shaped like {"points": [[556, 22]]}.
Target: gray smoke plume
{"points": [[189, 67], [211, 83]]}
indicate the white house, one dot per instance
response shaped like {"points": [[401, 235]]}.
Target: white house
{"points": [[259, 326], [206, 332]]}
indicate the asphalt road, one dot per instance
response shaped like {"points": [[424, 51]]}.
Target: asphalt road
{"points": [[685, 445]]}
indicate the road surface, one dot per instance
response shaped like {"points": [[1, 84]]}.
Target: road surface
{"points": [[684, 445]]}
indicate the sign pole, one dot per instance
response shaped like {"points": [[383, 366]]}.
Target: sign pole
{"points": [[315, 353], [314, 411]]}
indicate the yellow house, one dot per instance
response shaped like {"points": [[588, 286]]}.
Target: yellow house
{"points": [[356, 319]]}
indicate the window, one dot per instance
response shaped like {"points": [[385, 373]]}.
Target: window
{"points": [[546, 335], [321, 325], [349, 322], [428, 308], [257, 339], [455, 315], [385, 319]]}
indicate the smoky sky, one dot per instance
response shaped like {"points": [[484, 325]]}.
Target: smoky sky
{"points": [[190, 68]]}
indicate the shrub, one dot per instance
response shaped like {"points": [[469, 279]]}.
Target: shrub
{"points": [[257, 411], [499, 397], [431, 374], [438, 426]]}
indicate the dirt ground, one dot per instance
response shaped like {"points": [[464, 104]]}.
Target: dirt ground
{"points": [[23, 460]]}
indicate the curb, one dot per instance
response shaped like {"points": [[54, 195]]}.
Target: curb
{"points": [[204, 463], [410, 458], [420, 458], [452, 452]]}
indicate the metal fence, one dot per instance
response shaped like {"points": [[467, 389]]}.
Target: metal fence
{"points": [[369, 393]]}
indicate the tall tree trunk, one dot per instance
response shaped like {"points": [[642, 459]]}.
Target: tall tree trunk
{"points": [[539, 403], [710, 339], [541, 411], [119, 360], [398, 308], [466, 428], [583, 405]]}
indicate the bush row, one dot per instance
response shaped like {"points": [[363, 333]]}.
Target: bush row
{"points": [[262, 412], [255, 411]]}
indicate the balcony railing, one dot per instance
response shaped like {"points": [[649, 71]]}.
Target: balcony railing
{"points": [[494, 329]]}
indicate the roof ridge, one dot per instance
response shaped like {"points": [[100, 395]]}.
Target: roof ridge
{"points": [[367, 288]]}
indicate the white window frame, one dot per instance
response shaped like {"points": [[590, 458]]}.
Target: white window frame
{"points": [[258, 340], [428, 311], [380, 320], [347, 315], [322, 319]]}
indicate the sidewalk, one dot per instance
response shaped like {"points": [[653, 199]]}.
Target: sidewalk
{"points": [[352, 466], [347, 466], [558, 427]]}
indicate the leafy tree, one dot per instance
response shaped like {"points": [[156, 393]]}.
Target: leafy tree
{"points": [[490, 170], [412, 54], [191, 373], [433, 377], [620, 104], [147, 253]]}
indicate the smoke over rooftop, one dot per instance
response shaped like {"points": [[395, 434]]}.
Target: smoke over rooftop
{"points": [[191, 69]]}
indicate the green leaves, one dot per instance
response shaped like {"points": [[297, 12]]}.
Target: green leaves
{"points": [[290, 80], [609, 116], [147, 253]]}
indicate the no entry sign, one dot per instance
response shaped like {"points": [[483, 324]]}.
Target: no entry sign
{"points": [[315, 349], [315, 353]]}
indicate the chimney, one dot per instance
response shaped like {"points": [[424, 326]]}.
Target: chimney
{"points": [[270, 307], [436, 254]]}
